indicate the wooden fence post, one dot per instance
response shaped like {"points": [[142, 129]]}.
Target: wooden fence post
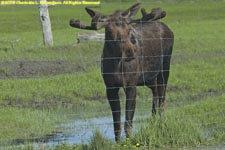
{"points": [[46, 23]]}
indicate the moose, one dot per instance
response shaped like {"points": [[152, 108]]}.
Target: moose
{"points": [[137, 52]]}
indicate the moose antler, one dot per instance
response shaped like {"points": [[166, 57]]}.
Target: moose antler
{"points": [[155, 14], [78, 24]]}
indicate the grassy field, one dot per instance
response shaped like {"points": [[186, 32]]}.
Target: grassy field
{"points": [[30, 95]]}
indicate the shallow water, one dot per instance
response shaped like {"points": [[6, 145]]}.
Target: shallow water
{"points": [[81, 131]]}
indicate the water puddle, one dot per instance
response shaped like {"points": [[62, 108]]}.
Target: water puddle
{"points": [[79, 132]]}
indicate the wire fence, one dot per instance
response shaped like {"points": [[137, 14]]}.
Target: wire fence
{"points": [[57, 94]]}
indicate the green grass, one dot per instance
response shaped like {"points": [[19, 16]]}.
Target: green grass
{"points": [[25, 123], [67, 87], [199, 124], [195, 98]]}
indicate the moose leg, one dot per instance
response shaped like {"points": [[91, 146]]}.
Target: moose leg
{"points": [[155, 96], [162, 100], [130, 109], [113, 98], [162, 84]]}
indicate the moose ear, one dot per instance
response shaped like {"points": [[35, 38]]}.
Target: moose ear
{"points": [[92, 13], [132, 11]]}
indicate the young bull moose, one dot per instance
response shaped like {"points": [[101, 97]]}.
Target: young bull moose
{"points": [[136, 53]]}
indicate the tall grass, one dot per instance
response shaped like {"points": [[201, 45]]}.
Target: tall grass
{"points": [[197, 124]]}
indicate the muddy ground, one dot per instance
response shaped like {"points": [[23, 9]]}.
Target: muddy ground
{"points": [[37, 69], [31, 69]]}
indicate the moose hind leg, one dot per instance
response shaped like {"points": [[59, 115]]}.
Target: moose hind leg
{"points": [[153, 87], [162, 84], [162, 80], [130, 109], [113, 98]]}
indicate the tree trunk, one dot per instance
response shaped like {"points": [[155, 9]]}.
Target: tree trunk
{"points": [[46, 23]]}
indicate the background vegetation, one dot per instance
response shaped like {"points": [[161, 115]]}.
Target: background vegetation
{"points": [[32, 104]]}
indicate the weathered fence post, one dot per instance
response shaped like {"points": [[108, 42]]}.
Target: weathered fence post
{"points": [[46, 23]]}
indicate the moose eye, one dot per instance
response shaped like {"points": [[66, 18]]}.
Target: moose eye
{"points": [[133, 39]]}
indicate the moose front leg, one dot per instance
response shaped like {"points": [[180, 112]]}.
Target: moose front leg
{"points": [[113, 98], [130, 109]]}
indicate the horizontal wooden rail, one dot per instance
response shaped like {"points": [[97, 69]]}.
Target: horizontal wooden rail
{"points": [[92, 36]]}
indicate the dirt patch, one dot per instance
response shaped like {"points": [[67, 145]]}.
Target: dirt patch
{"points": [[30, 69]]}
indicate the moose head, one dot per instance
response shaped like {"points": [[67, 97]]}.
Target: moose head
{"points": [[118, 17], [136, 52]]}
